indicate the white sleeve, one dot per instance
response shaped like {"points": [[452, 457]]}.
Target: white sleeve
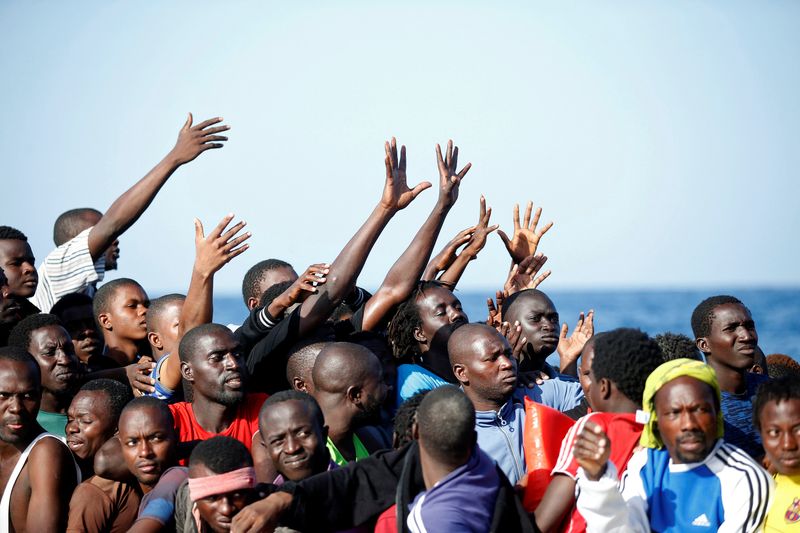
{"points": [[67, 269], [606, 509], [746, 491]]}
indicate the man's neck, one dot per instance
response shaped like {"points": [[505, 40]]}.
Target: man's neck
{"points": [[54, 403], [438, 363], [433, 471], [212, 416], [485, 404], [731, 380], [123, 351]]}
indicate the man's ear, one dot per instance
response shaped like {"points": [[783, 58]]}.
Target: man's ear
{"points": [[252, 303], [186, 372], [104, 321], [460, 372], [702, 344], [353, 395], [299, 384], [606, 388], [415, 429], [419, 336], [155, 340]]}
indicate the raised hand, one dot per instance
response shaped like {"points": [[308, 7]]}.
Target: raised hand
{"points": [[526, 237], [449, 253], [592, 450], [523, 276], [220, 246], [513, 335], [138, 375], [194, 140], [303, 287], [495, 309], [396, 193], [569, 348], [482, 230], [449, 179]]}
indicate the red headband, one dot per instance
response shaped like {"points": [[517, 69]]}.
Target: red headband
{"points": [[203, 487]]}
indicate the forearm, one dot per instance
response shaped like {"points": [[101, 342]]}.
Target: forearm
{"points": [[454, 272], [407, 270], [129, 207], [344, 270], [604, 507], [199, 307]]}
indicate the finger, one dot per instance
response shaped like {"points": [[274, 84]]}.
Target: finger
{"points": [[449, 159], [454, 162], [504, 238], [308, 287], [393, 152], [516, 218], [233, 230], [221, 226], [579, 325], [217, 129], [387, 160], [204, 147], [206, 123], [492, 228], [527, 221], [237, 241], [538, 281], [402, 158], [482, 211], [544, 229], [198, 230], [464, 171], [237, 251], [440, 160], [564, 330], [536, 216], [210, 138], [188, 123], [589, 324], [419, 188]]}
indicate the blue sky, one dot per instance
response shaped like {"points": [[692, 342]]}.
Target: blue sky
{"points": [[663, 138]]}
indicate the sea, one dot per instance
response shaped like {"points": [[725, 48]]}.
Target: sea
{"points": [[776, 311]]}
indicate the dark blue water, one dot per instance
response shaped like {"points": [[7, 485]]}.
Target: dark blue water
{"points": [[775, 311]]}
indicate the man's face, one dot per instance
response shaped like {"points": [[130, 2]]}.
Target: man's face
{"points": [[294, 441], [440, 312], [217, 369], [89, 423], [270, 278], [488, 370], [687, 419], [585, 374], [52, 348], [540, 323], [79, 323], [780, 433], [127, 312], [10, 308], [373, 393], [148, 444], [218, 510], [17, 261], [20, 394], [733, 338]]}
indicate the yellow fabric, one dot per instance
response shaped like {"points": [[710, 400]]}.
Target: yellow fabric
{"points": [[784, 512], [663, 375]]}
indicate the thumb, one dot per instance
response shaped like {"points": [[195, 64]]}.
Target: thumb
{"points": [[420, 187], [564, 329], [199, 234], [188, 123], [505, 238]]}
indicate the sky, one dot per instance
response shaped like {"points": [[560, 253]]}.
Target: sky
{"points": [[662, 138]]}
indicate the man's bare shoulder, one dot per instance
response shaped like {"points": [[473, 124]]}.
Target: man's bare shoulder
{"points": [[49, 453]]}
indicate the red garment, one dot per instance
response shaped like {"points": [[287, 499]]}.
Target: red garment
{"points": [[387, 521], [243, 427], [623, 431]]}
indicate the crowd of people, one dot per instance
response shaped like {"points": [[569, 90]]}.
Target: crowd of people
{"points": [[330, 408]]}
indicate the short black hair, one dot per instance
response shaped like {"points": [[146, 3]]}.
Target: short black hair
{"points": [[21, 355], [20, 335], [677, 346], [73, 299], [293, 395], [405, 417], [253, 276], [446, 424], [150, 402], [103, 296], [781, 365], [70, 223], [13, 234], [188, 344], [221, 454], [158, 306], [406, 319], [273, 292], [301, 357], [776, 390], [626, 356], [703, 314], [118, 394]]}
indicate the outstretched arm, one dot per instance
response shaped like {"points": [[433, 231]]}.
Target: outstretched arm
{"points": [[471, 250], [192, 141], [449, 253], [405, 273], [52, 477], [347, 266], [211, 254], [570, 348]]}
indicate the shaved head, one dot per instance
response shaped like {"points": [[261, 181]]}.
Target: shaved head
{"points": [[300, 365], [340, 365], [465, 342]]}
